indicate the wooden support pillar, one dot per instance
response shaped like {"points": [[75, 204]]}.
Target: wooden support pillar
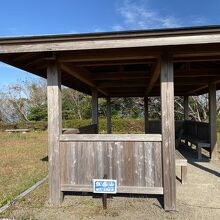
{"points": [[186, 107], [146, 115], [95, 107], [213, 121], [109, 123], [168, 132], [54, 131]]}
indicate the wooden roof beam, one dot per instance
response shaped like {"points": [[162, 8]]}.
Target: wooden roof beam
{"points": [[194, 91], [129, 75], [195, 81], [113, 55], [198, 72], [154, 77], [119, 84], [198, 89], [196, 59], [114, 62], [82, 75], [25, 56], [41, 61]]}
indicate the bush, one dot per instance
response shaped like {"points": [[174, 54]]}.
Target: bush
{"points": [[75, 123], [118, 125], [38, 113], [33, 125]]}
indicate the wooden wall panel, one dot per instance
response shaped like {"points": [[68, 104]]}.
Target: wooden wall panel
{"points": [[131, 163]]}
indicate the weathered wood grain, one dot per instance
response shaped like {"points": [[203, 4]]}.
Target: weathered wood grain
{"points": [[111, 137], [168, 132], [154, 77], [131, 163], [54, 131], [87, 44], [81, 74], [120, 189]]}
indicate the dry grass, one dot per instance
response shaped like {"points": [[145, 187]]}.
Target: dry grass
{"points": [[21, 162], [21, 166]]}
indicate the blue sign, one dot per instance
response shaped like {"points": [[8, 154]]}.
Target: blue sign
{"points": [[104, 186]]}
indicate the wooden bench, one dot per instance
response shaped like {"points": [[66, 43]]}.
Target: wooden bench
{"points": [[197, 133], [17, 130], [181, 161]]}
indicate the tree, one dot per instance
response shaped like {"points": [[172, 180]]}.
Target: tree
{"points": [[37, 100], [14, 103], [20, 99], [76, 105], [27, 100], [38, 113]]}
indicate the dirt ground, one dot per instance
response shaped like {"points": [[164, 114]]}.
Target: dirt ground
{"points": [[198, 199]]}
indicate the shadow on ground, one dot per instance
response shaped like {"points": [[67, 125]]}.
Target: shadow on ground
{"points": [[191, 155]]}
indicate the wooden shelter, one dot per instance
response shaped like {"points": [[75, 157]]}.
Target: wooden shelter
{"points": [[166, 63]]}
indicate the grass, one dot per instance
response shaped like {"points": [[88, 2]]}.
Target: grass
{"points": [[21, 166], [21, 162]]}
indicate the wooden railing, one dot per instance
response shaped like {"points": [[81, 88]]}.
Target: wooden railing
{"points": [[195, 129], [155, 126]]}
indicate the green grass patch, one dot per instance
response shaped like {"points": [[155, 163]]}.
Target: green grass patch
{"points": [[21, 162]]}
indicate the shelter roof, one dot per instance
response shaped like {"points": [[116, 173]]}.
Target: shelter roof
{"points": [[121, 64]]}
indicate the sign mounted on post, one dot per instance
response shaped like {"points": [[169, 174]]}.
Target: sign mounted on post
{"points": [[104, 186]]}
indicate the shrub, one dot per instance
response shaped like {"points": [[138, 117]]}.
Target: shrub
{"points": [[118, 125]]}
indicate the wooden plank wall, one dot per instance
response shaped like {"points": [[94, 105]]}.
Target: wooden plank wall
{"points": [[197, 129], [131, 163], [155, 126]]}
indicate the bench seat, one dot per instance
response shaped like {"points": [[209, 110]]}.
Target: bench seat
{"points": [[198, 143], [181, 161], [196, 133], [17, 130]]}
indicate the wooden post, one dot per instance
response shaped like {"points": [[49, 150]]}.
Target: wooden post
{"points": [[146, 115], [54, 131], [186, 107], [95, 107], [212, 121], [109, 123], [168, 132]]}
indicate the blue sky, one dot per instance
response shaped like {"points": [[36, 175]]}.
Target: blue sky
{"points": [[36, 17]]}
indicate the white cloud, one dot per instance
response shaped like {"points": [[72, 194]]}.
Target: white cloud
{"points": [[139, 16], [98, 29], [117, 27]]}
